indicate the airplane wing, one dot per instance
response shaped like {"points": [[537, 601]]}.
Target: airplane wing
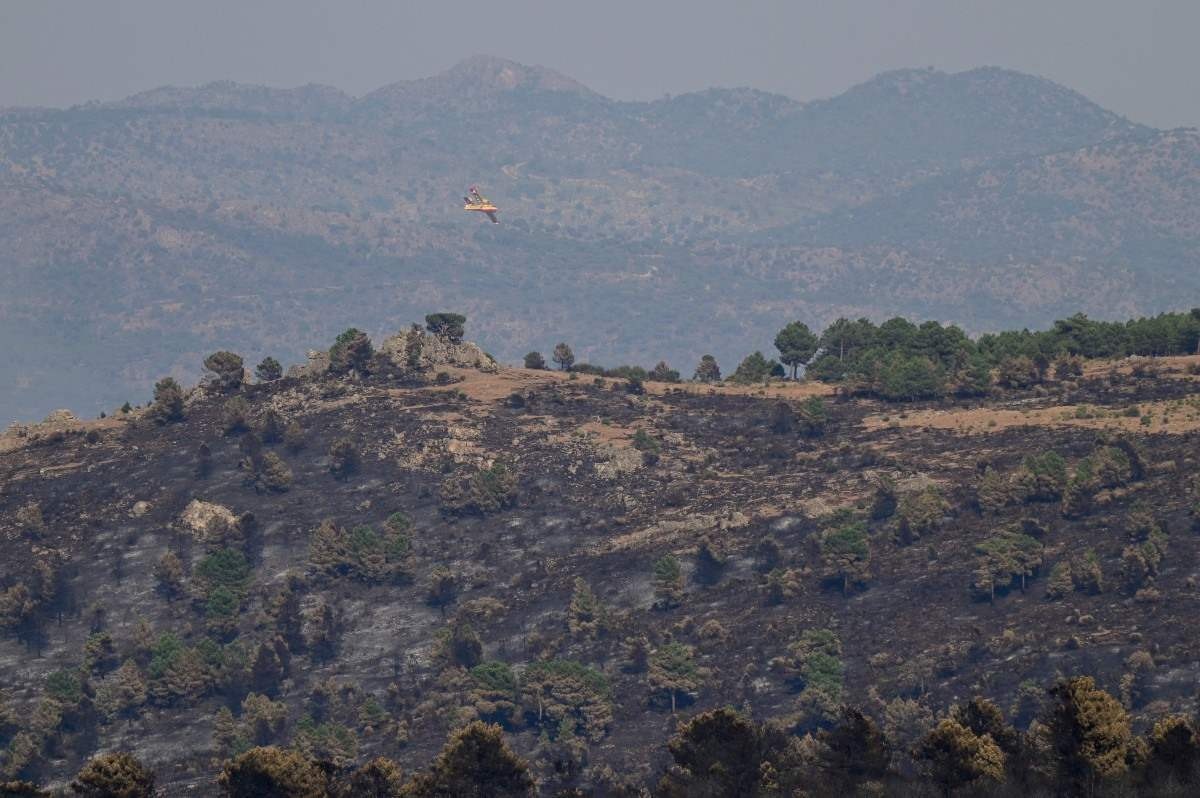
{"points": [[492, 215]]}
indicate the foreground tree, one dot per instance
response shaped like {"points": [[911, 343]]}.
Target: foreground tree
{"points": [[475, 763], [271, 772], [717, 753], [116, 775], [379, 778], [953, 756], [1089, 736], [853, 752]]}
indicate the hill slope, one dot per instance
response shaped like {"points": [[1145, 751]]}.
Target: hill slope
{"points": [[510, 487]]}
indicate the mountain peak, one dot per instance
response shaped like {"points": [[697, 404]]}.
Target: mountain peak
{"points": [[473, 84], [493, 72]]}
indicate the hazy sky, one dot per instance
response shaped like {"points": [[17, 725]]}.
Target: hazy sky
{"points": [[1137, 57]]}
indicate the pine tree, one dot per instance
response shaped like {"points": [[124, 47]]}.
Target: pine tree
{"points": [[563, 356], [475, 763], [668, 582], [1090, 734]]}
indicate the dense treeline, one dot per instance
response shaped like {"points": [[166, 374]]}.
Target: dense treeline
{"points": [[1081, 745], [901, 360]]}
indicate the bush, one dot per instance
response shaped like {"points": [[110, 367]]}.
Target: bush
{"points": [[919, 513], [754, 368], [451, 326], [271, 474], [235, 415], [663, 373], [343, 458], [1018, 372], [271, 428], [909, 379], [534, 360], [485, 491]]}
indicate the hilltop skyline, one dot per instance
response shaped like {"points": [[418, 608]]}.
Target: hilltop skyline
{"points": [[1135, 60]]}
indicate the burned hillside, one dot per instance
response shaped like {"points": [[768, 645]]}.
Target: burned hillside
{"points": [[359, 557]]}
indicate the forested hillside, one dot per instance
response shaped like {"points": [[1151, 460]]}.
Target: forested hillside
{"points": [[184, 220]]}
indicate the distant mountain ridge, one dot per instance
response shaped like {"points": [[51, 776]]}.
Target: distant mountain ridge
{"points": [[142, 233]]}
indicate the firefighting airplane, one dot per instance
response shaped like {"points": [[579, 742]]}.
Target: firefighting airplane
{"points": [[474, 201]]}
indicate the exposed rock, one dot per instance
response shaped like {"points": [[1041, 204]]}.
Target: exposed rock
{"points": [[318, 364], [207, 521], [436, 351]]}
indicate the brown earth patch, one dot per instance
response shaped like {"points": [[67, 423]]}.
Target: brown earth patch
{"points": [[1177, 416]]}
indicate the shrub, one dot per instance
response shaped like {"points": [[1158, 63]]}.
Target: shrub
{"points": [[919, 513], [271, 474], [343, 458], [644, 443], [485, 491], [235, 415], [663, 373], [1017, 372], [272, 427], [754, 368], [910, 378], [534, 360], [1042, 477]]}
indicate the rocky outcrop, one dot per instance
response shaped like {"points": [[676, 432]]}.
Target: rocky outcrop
{"points": [[433, 351]]}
